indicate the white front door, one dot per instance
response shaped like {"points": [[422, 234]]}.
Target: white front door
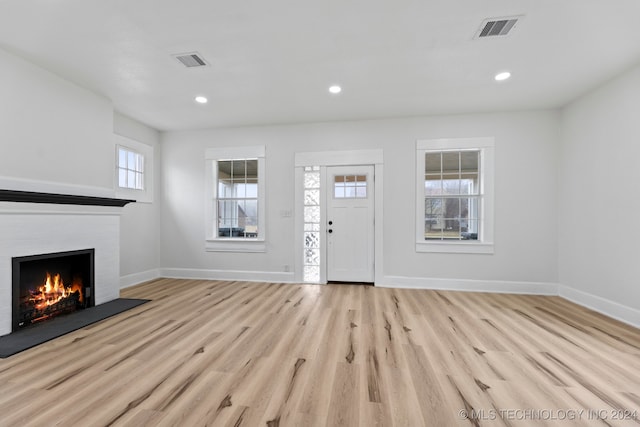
{"points": [[350, 223]]}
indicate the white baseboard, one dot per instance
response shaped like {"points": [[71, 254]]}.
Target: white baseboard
{"points": [[604, 306], [247, 276], [136, 278], [467, 285]]}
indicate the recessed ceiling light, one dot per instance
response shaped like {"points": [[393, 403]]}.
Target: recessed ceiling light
{"points": [[335, 89], [502, 76], [201, 100]]}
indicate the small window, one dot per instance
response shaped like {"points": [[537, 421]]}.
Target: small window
{"points": [[130, 169], [350, 187], [133, 177]]}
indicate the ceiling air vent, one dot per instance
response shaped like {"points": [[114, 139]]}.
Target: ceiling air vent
{"points": [[497, 26], [190, 60]]}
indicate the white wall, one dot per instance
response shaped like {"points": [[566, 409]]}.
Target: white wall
{"points": [[55, 137], [140, 222], [58, 137], [526, 194], [52, 130], [599, 182]]}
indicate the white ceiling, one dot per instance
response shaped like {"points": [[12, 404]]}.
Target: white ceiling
{"points": [[273, 61]]}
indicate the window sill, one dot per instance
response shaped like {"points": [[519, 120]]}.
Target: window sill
{"points": [[455, 247], [236, 245]]}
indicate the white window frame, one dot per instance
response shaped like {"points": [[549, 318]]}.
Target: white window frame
{"points": [[213, 242], [144, 195], [485, 242], [128, 168]]}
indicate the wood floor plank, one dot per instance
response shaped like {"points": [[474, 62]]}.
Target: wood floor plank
{"points": [[233, 353], [344, 408]]}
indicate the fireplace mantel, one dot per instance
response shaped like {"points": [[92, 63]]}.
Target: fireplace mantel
{"points": [[59, 199]]}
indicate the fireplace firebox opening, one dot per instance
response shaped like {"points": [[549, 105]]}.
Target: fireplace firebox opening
{"points": [[48, 285]]}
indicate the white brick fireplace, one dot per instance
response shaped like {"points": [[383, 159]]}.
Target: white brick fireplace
{"points": [[39, 228]]}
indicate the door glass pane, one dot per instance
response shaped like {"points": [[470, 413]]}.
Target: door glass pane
{"points": [[308, 226], [311, 201], [312, 256], [311, 240], [350, 192], [312, 197], [350, 186], [312, 214], [312, 180], [311, 273]]}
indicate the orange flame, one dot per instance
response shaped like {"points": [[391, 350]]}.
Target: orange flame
{"points": [[53, 291]]}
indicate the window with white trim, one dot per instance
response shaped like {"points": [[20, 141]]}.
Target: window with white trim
{"points": [[133, 169], [454, 207], [130, 169], [238, 198], [235, 199]]}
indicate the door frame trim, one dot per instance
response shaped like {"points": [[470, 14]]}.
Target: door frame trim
{"points": [[372, 157]]}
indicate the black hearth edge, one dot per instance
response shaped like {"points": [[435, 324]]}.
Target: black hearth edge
{"points": [[31, 336], [60, 199]]}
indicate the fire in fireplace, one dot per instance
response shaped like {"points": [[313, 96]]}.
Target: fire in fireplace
{"points": [[48, 285]]}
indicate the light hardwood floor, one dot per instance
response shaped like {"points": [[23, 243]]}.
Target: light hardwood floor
{"points": [[254, 354]]}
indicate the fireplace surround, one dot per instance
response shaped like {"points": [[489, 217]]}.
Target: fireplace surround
{"points": [[33, 223]]}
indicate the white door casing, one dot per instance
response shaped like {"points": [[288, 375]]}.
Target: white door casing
{"points": [[350, 223]]}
